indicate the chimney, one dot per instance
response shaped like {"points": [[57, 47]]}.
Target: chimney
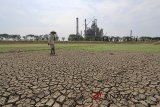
{"points": [[85, 28], [77, 26], [130, 33], [95, 21]]}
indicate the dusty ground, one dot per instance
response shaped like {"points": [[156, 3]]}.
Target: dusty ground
{"points": [[74, 79]]}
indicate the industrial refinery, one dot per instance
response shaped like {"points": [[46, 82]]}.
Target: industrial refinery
{"points": [[91, 33]]}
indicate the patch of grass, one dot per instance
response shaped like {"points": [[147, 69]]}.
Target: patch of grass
{"points": [[23, 47], [149, 48], [112, 47]]}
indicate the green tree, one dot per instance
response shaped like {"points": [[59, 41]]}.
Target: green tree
{"points": [[73, 37], [56, 37], [63, 38]]}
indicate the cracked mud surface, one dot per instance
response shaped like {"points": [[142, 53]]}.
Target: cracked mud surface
{"points": [[71, 79]]}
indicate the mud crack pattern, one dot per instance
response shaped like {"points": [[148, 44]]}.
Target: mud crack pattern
{"points": [[70, 79]]}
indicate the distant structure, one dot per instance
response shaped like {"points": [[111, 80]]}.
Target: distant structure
{"points": [[81, 32], [93, 33], [77, 26], [131, 33], [85, 27], [77, 36]]}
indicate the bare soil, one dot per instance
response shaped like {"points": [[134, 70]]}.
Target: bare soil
{"points": [[74, 79]]}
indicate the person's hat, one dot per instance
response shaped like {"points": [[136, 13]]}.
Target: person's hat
{"points": [[53, 32]]}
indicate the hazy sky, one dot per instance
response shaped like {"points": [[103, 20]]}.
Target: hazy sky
{"points": [[116, 17]]}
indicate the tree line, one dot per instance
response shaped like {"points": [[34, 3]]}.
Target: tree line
{"points": [[27, 37], [7, 37], [74, 37]]}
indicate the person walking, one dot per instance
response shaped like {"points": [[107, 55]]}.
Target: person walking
{"points": [[51, 42]]}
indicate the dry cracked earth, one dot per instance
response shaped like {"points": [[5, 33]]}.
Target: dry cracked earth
{"points": [[79, 79]]}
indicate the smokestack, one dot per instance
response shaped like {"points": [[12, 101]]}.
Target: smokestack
{"points": [[130, 33], [77, 27], [95, 21], [85, 28]]}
